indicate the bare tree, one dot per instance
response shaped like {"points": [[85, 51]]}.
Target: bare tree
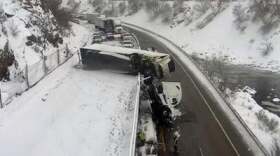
{"points": [[276, 148], [266, 48], [267, 12], [178, 6], [241, 17], [166, 13], [153, 7], [7, 58], [134, 6], [62, 15], [122, 8]]}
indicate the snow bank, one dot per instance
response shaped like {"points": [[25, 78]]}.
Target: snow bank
{"points": [[71, 112], [248, 109]]}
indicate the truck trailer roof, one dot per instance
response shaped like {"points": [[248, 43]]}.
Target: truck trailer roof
{"points": [[122, 50]]}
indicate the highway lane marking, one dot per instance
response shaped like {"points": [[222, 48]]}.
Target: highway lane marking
{"points": [[162, 139], [205, 101], [201, 152], [203, 98]]}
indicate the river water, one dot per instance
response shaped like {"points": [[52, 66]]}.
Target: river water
{"points": [[266, 83]]}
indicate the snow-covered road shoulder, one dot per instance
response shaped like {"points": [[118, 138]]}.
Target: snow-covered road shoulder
{"points": [[71, 112]]}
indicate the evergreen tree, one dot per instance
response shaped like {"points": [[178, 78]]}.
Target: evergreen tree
{"points": [[6, 59]]}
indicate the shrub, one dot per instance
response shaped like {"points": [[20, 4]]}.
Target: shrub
{"points": [[240, 17], [67, 51], [266, 48], [55, 39], [122, 8], [178, 6], [6, 59], [267, 12], [3, 17], [269, 25], [134, 6], [276, 149], [32, 39], [62, 15], [215, 66], [201, 8], [189, 14], [97, 3], [166, 13], [153, 6], [271, 124], [4, 30], [13, 28]]}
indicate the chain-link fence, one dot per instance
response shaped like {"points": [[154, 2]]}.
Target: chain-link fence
{"points": [[31, 75]]}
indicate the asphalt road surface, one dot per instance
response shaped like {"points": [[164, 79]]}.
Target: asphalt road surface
{"points": [[201, 134]]}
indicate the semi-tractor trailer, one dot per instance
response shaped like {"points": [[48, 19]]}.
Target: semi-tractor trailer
{"points": [[146, 62]]}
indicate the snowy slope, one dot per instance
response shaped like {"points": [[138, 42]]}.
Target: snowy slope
{"points": [[248, 109], [71, 112], [219, 37], [78, 36]]}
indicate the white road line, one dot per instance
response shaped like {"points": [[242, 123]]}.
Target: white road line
{"points": [[201, 152], [207, 104], [204, 99]]}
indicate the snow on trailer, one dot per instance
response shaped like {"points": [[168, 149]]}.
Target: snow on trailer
{"points": [[121, 50], [71, 112]]}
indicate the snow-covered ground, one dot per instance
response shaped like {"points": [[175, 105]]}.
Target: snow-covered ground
{"points": [[219, 37], [71, 112], [251, 113]]}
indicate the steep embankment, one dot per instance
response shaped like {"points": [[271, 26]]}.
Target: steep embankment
{"points": [[219, 36], [37, 41]]}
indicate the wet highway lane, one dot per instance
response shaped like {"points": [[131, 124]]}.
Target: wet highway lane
{"points": [[201, 134]]}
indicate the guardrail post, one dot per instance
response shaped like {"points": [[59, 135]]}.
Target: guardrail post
{"points": [[58, 57], [43, 57], [135, 118], [26, 76], [79, 56], [1, 102]]}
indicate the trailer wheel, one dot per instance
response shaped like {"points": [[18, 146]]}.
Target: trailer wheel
{"points": [[171, 65], [160, 89], [135, 61], [160, 76]]}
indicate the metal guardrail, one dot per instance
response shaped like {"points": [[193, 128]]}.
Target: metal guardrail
{"points": [[256, 140], [132, 151], [136, 40], [135, 119]]}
